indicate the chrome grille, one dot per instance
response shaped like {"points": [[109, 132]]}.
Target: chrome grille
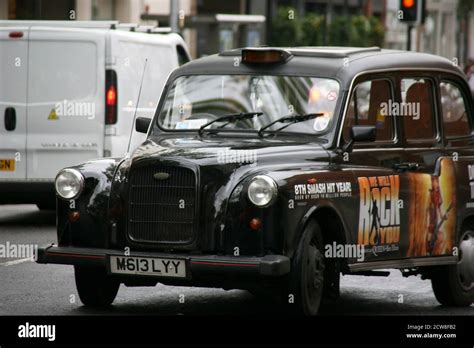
{"points": [[162, 210]]}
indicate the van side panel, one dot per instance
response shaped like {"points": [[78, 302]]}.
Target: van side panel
{"points": [[13, 80], [65, 99], [130, 51]]}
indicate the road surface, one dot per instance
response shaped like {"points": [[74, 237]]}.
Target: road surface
{"points": [[27, 288]]}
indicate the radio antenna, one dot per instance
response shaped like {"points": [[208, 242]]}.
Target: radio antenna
{"points": [[136, 107]]}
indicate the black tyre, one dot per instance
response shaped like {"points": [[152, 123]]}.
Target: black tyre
{"points": [[95, 288], [453, 285], [307, 271]]}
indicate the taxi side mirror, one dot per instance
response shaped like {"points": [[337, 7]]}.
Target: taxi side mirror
{"points": [[142, 124], [363, 133], [360, 134]]}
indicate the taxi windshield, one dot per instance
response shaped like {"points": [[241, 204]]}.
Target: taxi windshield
{"points": [[194, 101]]}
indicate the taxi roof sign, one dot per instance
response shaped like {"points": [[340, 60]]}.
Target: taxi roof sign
{"points": [[263, 55]]}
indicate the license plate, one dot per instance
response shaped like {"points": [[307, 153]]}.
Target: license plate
{"points": [[148, 266], [7, 165]]}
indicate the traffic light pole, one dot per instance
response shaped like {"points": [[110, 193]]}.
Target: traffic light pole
{"points": [[409, 28], [174, 16]]}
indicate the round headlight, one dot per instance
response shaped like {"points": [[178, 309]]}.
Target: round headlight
{"points": [[69, 183], [262, 191]]}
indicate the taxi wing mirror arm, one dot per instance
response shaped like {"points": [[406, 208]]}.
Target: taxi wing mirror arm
{"points": [[347, 147]]}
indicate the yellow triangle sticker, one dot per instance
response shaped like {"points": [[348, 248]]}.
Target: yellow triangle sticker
{"points": [[53, 115]]}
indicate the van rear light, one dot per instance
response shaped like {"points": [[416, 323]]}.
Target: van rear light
{"points": [[111, 97], [16, 34]]}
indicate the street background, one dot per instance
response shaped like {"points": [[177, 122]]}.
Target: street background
{"points": [[209, 26]]}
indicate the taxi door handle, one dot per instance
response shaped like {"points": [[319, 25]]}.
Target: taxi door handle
{"points": [[406, 166], [10, 119]]}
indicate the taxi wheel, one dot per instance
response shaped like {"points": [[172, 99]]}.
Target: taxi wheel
{"points": [[454, 285], [307, 272], [95, 288]]}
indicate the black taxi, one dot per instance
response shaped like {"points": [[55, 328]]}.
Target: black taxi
{"points": [[276, 170]]}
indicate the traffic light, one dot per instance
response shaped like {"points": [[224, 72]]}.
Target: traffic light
{"points": [[409, 11]]}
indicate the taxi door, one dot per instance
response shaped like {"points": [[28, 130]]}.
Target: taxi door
{"points": [[431, 203], [376, 214]]}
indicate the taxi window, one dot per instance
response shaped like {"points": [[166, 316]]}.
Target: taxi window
{"points": [[417, 109], [453, 106], [369, 106]]}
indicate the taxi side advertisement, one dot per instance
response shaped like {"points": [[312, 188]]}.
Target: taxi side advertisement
{"points": [[426, 202]]}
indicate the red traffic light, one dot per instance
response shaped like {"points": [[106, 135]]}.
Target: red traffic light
{"points": [[412, 11]]}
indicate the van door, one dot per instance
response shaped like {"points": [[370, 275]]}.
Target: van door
{"points": [[13, 79], [65, 99], [130, 51]]}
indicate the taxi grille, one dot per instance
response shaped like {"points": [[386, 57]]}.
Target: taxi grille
{"points": [[162, 210]]}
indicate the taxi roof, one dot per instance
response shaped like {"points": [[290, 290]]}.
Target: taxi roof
{"points": [[342, 63]]}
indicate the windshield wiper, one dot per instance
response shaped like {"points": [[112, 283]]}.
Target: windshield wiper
{"points": [[290, 119], [230, 118]]}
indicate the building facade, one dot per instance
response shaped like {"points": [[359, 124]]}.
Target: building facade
{"points": [[214, 25]]}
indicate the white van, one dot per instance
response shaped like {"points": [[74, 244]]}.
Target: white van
{"points": [[68, 93]]}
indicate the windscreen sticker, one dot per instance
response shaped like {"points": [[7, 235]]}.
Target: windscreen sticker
{"points": [[321, 123], [332, 95], [191, 124]]}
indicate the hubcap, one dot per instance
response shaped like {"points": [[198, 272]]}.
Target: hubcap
{"points": [[466, 261], [314, 274]]}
